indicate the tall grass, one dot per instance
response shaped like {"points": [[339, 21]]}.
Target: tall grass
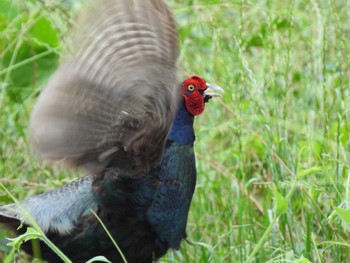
{"points": [[272, 154]]}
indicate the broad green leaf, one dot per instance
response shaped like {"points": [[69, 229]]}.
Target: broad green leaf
{"points": [[344, 214], [302, 260], [311, 170], [44, 32], [282, 23], [281, 203], [33, 72], [5, 199]]}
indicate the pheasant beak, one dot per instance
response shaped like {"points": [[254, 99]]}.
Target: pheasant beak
{"points": [[210, 92]]}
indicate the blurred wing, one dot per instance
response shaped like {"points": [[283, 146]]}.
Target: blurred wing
{"points": [[112, 102]]}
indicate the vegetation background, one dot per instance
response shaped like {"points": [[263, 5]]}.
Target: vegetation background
{"points": [[273, 154]]}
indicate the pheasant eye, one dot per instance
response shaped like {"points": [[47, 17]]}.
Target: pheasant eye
{"points": [[190, 88]]}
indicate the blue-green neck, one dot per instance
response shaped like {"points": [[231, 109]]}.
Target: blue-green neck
{"points": [[182, 129]]}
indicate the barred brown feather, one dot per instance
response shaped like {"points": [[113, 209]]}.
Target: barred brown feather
{"points": [[112, 101]]}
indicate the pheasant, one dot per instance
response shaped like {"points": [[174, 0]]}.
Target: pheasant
{"points": [[115, 108]]}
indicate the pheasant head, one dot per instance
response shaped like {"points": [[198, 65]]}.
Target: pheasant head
{"points": [[196, 92]]}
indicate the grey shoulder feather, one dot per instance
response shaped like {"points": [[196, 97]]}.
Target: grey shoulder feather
{"points": [[57, 210]]}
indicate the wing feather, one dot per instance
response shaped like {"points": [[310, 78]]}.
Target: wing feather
{"points": [[112, 101]]}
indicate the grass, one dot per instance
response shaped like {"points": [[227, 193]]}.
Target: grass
{"points": [[272, 155]]}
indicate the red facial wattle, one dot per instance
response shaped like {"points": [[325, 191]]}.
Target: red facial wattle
{"points": [[192, 91], [194, 103]]}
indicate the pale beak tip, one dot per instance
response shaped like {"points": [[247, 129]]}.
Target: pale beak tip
{"points": [[211, 88]]}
